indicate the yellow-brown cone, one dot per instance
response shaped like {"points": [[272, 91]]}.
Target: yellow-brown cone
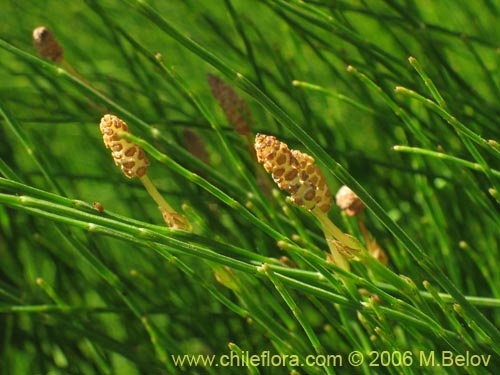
{"points": [[127, 155], [294, 172]]}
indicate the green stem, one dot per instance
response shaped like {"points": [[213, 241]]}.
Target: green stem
{"points": [[155, 194], [457, 125], [297, 312], [443, 156], [333, 94]]}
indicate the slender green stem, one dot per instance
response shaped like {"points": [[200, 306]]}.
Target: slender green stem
{"points": [[253, 370], [171, 217], [456, 124], [30, 150], [155, 194], [428, 82], [297, 312], [446, 157], [411, 123], [333, 94]]}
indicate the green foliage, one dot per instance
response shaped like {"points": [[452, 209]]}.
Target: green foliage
{"points": [[116, 292]]}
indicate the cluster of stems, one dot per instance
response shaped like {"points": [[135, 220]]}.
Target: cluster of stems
{"points": [[292, 170]]}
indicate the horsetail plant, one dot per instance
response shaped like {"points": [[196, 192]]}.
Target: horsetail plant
{"points": [[134, 163], [49, 49], [257, 277], [239, 116], [296, 173]]}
